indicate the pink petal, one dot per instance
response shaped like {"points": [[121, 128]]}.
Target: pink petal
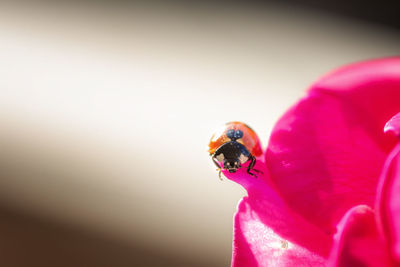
{"points": [[264, 226], [389, 202], [257, 244], [393, 125], [325, 154], [358, 242]]}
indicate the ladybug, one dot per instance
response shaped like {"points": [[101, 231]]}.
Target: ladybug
{"points": [[234, 145]]}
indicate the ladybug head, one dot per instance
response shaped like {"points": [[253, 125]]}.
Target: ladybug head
{"points": [[231, 165]]}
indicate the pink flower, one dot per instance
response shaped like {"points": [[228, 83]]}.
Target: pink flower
{"points": [[330, 193]]}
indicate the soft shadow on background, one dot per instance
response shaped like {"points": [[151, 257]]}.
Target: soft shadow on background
{"points": [[106, 110]]}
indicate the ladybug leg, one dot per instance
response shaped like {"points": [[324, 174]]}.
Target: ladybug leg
{"points": [[218, 167], [216, 162], [251, 166]]}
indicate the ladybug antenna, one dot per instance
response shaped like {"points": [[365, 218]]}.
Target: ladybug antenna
{"points": [[219, 175], [234, 135]]}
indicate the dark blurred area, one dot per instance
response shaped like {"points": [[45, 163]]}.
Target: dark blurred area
{"points": [[384, 12], [34, 242], [28, 238], [379, 12]]}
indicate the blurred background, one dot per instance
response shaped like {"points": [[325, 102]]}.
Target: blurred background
{"points": [[107, 107]]}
